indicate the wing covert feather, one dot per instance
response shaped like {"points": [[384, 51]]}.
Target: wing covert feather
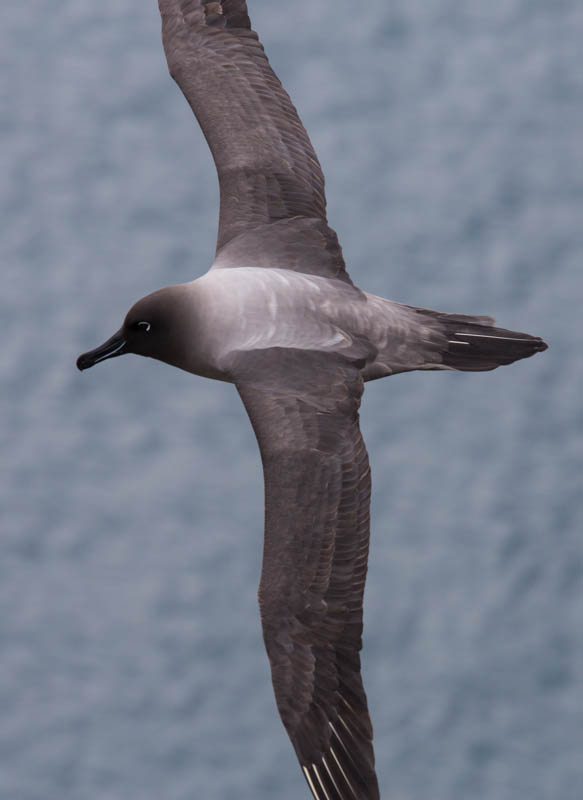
{"points": [[304, 409], [267, 167]]}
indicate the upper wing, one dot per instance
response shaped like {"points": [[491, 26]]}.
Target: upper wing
{"points": [[267, 167], [304, 409]]}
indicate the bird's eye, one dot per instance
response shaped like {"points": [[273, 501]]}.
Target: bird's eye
{"points": [[144, 326]]}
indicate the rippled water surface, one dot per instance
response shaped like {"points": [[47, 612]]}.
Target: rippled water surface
{"points": [[131, 663]]}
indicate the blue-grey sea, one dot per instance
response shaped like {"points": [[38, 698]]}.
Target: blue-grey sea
{"points": [[131, 658]]}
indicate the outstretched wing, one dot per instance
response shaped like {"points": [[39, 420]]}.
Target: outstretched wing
{"points": [[304, 410], [268, 170]]}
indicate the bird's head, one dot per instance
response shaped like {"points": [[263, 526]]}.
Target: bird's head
{"points": [[156, 326]]}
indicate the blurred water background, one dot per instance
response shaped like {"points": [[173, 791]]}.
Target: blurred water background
{"points": [[131, 660]]}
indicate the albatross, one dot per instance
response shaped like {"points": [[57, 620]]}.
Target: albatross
{"points": [[278, 316]]}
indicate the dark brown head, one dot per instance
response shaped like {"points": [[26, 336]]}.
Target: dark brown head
{"points": [[155, 326]]}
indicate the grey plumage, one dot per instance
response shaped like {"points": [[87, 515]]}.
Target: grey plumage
{"points": [[267, 167], [317, 503], [279, 316]]}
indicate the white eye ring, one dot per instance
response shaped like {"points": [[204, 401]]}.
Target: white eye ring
{"points": [[145, 325]]}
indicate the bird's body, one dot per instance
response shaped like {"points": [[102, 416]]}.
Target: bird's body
{"points": [[278, 316], [253, 308]]}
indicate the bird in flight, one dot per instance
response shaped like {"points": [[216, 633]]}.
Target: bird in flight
{"points": [[278, 316]]}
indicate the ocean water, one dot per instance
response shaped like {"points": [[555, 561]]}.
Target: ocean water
{"points": [[131, 660]]}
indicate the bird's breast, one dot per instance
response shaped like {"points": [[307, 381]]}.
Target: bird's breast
{"points": [[250, 308]]}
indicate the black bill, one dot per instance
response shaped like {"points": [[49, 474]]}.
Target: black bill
{"points": [[109, 349]]}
